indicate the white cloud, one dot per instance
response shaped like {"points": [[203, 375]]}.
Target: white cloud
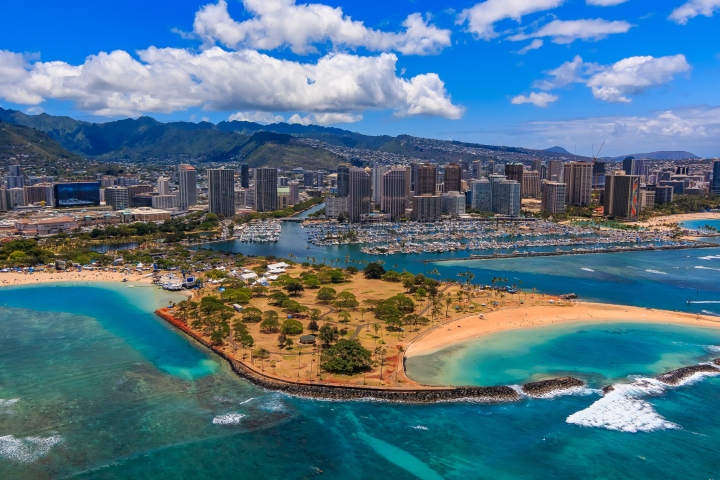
{"points": [[265, 118], [692, 9], [605, 3], [277, 23], [482, 17], [632, 76], [324, 119], [690, 128], [534, 45], [539, 99], [617, 82], [167, 80], [563, 32]]}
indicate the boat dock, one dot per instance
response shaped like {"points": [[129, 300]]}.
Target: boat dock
{"points": [[497, 256]]}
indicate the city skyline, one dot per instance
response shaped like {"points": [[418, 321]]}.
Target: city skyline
{"points": [[517, 74]]}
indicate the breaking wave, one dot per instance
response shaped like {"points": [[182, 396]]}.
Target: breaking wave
{"points": [[420, 427], [228, 419], [657, 272], [588, 269], [28, 449], [710, 257], [700, 267]]}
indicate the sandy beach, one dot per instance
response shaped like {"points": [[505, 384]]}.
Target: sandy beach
{"points": [[664, 222], [13, 279], [473, 326]]}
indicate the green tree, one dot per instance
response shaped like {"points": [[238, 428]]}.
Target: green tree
{"points": [[313, 326], [326, 295], [328, 334], [252, 315], [346, 300], [346, 357], [294, 288], [374, 271], [292, 327], [277, 299]]}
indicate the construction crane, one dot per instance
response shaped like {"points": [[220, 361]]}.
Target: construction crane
{"points": [[595, 157]]}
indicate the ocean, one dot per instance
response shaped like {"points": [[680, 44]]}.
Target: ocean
{"points": [[94, 386]]}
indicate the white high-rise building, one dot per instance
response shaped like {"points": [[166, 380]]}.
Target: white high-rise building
{"points": [[187, 181], [553, 198], [377, 183], [163, 186]]}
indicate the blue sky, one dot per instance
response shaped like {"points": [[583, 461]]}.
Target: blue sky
{"points": [[641, 76]]}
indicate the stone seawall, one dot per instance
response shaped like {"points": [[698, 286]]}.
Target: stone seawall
{"points": [[345, 392]]}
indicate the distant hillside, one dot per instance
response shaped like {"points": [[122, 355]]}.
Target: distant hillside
{"points": [[146, 139], [659, 156], [16, 140], [558, 150]]}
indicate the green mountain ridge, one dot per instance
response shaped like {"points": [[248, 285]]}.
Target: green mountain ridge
{"points": [[18, 140]]}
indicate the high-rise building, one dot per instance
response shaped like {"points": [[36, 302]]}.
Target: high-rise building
{"points": [[394, 199], [240, 199], [482, 195], [40, 193], [15, 178], [531, 184], [490, 169], [163, 186], [16, 197], [377, 183], [427, 208], [266, 189], [515, 171], [187, 182], [506, 198], [138, 195], [453, 178], [553, 198], [629, 165], [320, 179], [425, 183], [477, 169], [309, 179], [360, 192], [647, 199], [221, 191], [555, 171], [294, 192], [536, 165], [663, 193], [715, 185], [117, 198], [599, 172], [77, 194], [343, 181], [453, 203], [336, 206], [245, 176], [622, 196], [578, 178]]}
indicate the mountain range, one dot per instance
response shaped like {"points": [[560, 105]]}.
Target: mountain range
{"points": [[663, 155], [277, 145]]}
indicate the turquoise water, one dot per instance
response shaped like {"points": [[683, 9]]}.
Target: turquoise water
{"points": [[700, 224], [94, 386], [514, 357]]}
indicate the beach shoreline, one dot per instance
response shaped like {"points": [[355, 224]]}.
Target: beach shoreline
{"points": [[664, 222], [15, 279], [474, 327]]}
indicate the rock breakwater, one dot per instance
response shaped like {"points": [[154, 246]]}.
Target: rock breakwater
{"points": [[549, 387], [676, 377]]}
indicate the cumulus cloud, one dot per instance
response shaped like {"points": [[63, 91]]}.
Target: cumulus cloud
{"points": [[617, 82], [482, 17], [324, 119], [632, 76], [534, 45], [539, 99], [694, 8], [689, 128], [265, 118], [605, 3], [280, 23], [168, 79], [567, 31]]}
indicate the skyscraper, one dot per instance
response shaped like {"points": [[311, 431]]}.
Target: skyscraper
{"points": [[360, 192], [294, 192], [425, 183], [599, 171], [343, 180], [221, 191], [531, 184], [15, 178], [41, 192], [715, 185], [427, 208], [555, 171], [482, 195], [629, 165], [553, 198], [117, 198], [477, 169], [187, 181], [266, 189], [163, 186], [377, 183], [394, 199], [578, 178], [514, 171], [245, 176], [622, 196], [506, 198], [537, 165], [453, 178]]}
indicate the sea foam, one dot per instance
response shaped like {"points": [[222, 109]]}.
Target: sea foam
{"points": [[588, 269], [656, 272], [622, 409], [28, 449], [228, 419]]}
